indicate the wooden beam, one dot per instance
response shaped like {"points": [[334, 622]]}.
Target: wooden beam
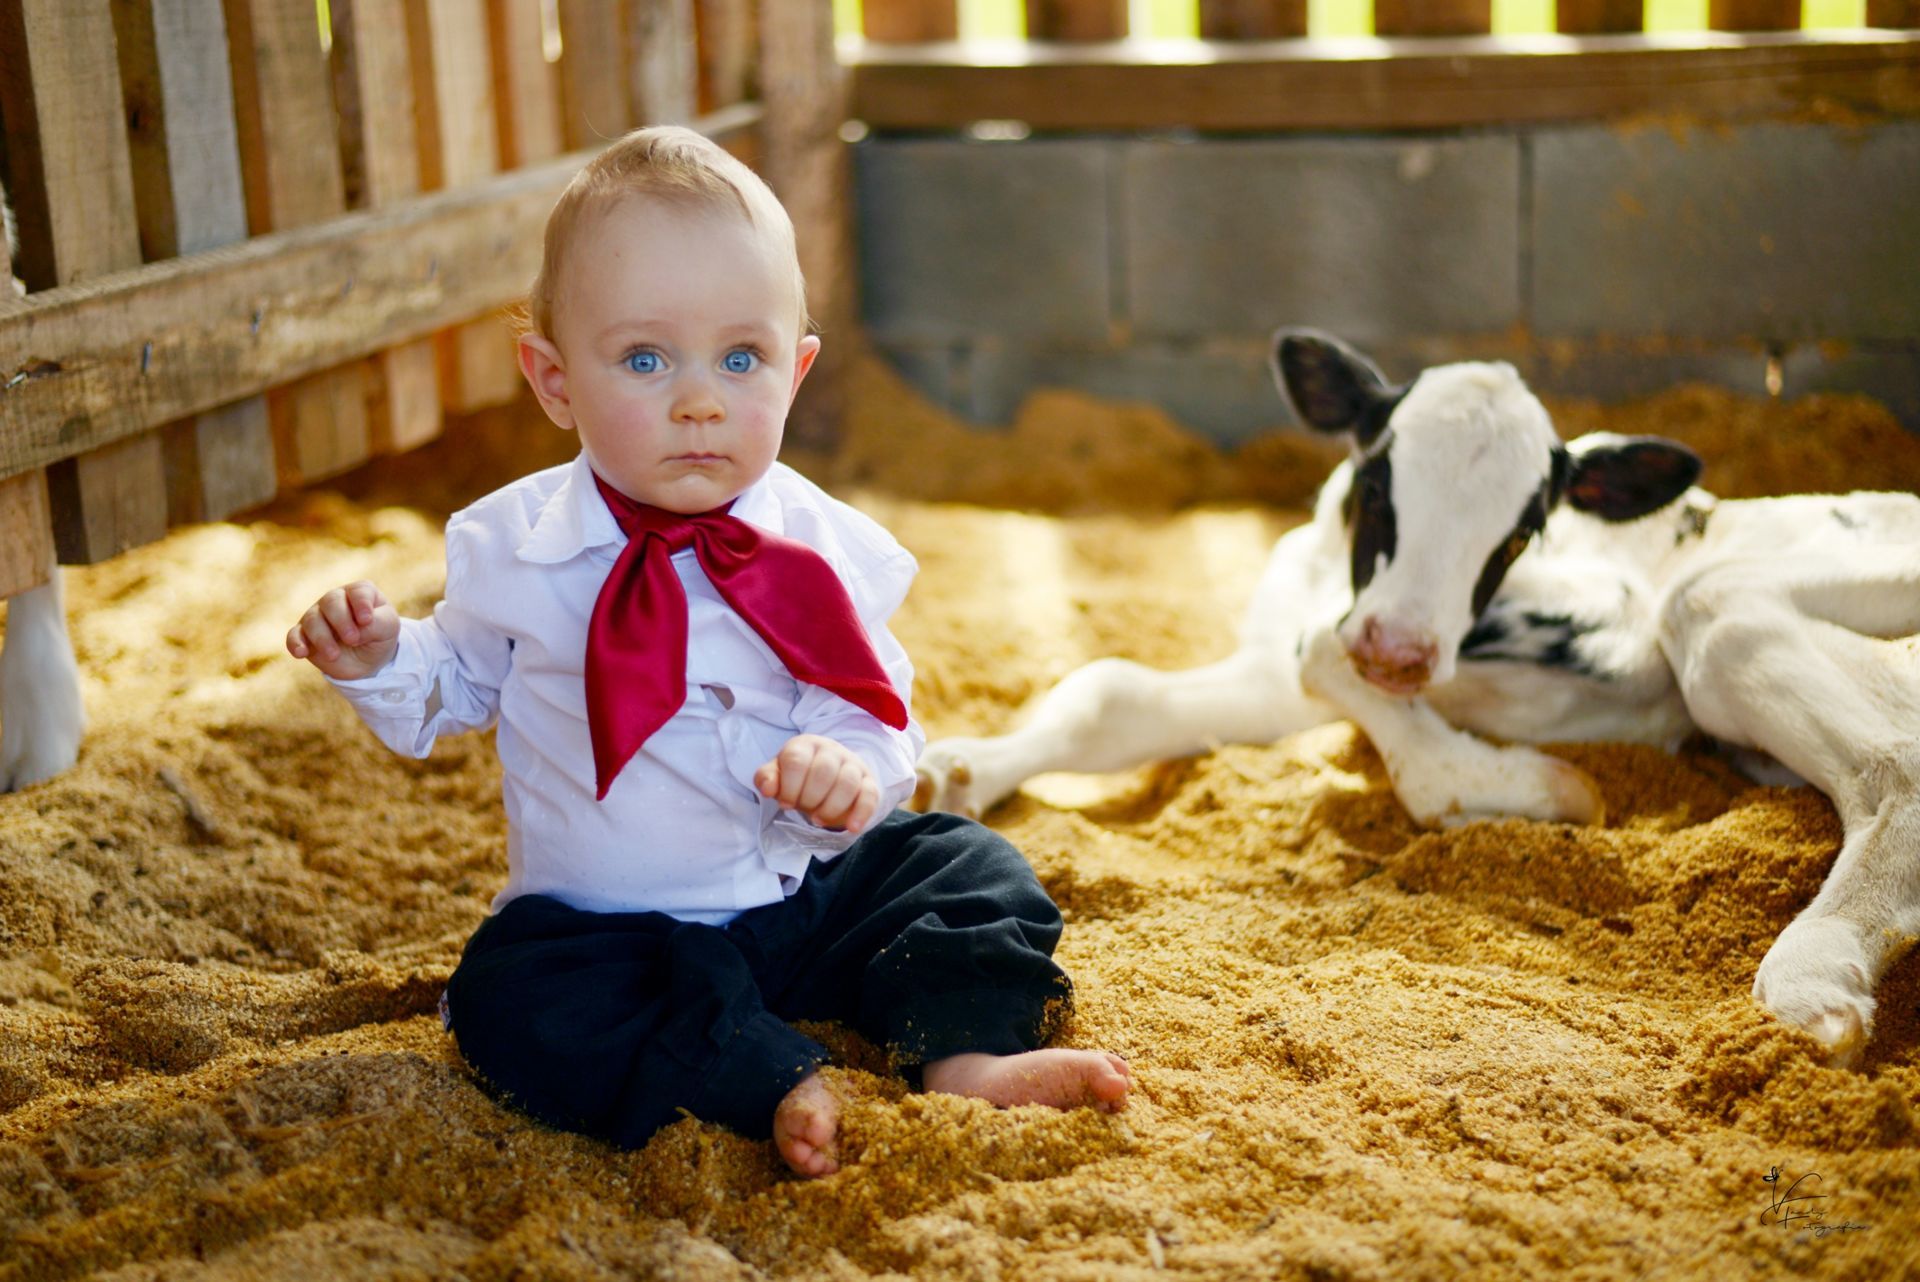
{"points": [[175, 74], [1753, 15], [72, 177], [460, 145], [1893, 13], [1076, 20], [526, 87], [1594, 17], [1259, 87], [805, 161], [290, 159], [1252, 19], [593, 84], [910, 21], [380, 156], [86, 365], [1432, 17], [663, 62]]}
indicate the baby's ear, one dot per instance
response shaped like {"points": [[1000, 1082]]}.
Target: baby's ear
{"points": [[802, 362], [547, 375]]}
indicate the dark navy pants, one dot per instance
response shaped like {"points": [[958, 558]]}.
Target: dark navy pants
{"points": [[930, 936]]}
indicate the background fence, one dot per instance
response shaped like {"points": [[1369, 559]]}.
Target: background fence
{"points": [[1612, 212]]}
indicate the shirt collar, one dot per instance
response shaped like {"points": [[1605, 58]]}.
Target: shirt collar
{"points": [[575, 517]]}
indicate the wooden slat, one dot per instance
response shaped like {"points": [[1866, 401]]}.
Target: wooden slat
{"points": [[380, 156], [89, 364], [1893, 13], [910, 21], [526, 88], [290, 160], [73, 183], [459, 146], [1076, 19], [1595, 17], [805, 98], [593, 84], [186, 175], [1252, 19], [663, 68], [728, 42], [1411, 84], [26, 533], [109, 500], [1753, 15], [1432, 17]]}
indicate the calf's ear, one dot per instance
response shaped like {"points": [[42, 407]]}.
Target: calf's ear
{"points": [[1329, 386], [1619, 478]]}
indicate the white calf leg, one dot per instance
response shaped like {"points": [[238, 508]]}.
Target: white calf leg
{"points": [[1843, 712], [40, 714], [1112, 714], [1441, 774]]}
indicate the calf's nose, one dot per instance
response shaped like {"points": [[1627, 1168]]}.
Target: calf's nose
{"points": [[1397, 660]]}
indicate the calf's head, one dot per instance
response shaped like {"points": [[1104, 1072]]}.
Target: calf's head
{"points": [[1451, 477]]}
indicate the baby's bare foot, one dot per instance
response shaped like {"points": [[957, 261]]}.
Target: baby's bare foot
{"points": [[805, 1126], [1059, 1077]]}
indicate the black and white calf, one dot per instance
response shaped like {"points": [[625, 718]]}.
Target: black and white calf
{"points": [[1465, 574]]}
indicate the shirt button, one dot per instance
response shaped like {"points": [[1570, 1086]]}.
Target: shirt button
{"points": [[393, 696]]}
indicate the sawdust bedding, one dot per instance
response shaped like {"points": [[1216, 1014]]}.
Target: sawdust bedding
{"points": [[1514, 1050]]}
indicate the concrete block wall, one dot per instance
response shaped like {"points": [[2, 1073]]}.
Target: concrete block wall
{"points": [[1607, 262]]}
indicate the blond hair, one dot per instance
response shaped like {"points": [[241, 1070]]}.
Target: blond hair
{"points": [[668, 163]]}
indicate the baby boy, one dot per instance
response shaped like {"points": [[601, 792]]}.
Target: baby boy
{"points": [[703, 721]]}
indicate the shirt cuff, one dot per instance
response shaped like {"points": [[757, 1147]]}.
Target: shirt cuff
{"points": [[397, 690]]}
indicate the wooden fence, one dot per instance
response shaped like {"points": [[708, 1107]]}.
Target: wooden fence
{"points": [[265, 240], [1436, 66]]}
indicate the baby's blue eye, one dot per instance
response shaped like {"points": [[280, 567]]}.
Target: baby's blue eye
{"points": [[740, 362], [644, 362]]}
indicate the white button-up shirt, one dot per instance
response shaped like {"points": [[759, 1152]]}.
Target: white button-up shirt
{"points": [[682, 830]]}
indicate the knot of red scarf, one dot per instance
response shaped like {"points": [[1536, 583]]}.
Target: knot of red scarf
{"points": [[637, 638]]}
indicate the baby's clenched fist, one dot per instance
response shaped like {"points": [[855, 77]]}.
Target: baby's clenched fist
{"points": [[349, 633]]}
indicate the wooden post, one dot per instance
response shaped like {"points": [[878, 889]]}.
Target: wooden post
{"points": [[26, 533], [290, 164], [1895, 14], [1598, 17], [593, 84], [459, 145], [1753, 15], [1252, 19], [186, 177], [1076, 19], [910, 21], [663, 62], [526, 89], [26, 527], [380, 157], [804, 90], [72, 184], [1432, 17], [728, 36]]}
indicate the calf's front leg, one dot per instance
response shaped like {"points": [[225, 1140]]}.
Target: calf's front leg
{"points": [[41, 719], [1444, 775], [1112, 714]]}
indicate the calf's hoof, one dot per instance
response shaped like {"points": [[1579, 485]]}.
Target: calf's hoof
{"points": [[1816, 977], [945, 780]]}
